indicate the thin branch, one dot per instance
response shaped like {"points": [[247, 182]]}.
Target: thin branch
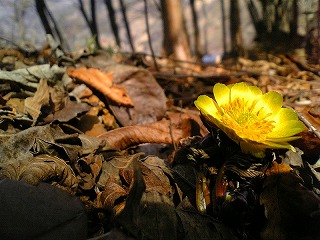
{"points": [[205, 32], [224, 28], [44, 13], [85, 15], [148, 32], [197, 39], [113, 22], [125, 19], [92, 23]]}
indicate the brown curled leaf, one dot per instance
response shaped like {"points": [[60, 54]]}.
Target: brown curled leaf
{"points": [[42, 168], [102, 82], [33, 105], [154, 176], [167, 131], [116, 192], [88, 169], [113, 192]]}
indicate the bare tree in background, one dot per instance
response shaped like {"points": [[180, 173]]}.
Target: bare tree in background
{"points": [[205, 30], [235, 29], [224, 28], [257, 21], [91, 21], [294, 18], [278, 16], [197, 39], [149, 35], [49, 23], [126, 23], [113, 22], [20, 10], [175, 38]]}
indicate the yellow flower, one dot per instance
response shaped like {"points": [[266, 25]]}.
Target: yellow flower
{"points": [[254, 120]]}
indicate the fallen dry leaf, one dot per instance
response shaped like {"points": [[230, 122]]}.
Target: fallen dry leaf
{"points": [[29, 77], [33, 105], [42, 168], [102, 82], [167, 131], [147, 95], [88, 168], [70, 110], [278, 168], [116, 180], [112, 197], [158, 132]]}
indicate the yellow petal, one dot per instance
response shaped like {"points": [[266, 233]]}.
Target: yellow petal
{"points": [[239, 90], [255, 91], [279, 145], [243, 91], [284, 139], [286, 129], [269, 104], [221, 94], [285, 114], [255, 149], [205, 104]]}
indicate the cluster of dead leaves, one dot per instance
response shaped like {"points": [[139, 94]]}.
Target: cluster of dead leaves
{"points": [[63, 125], [88, 125]]}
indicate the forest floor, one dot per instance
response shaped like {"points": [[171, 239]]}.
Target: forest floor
{"points": [[130, 157]]}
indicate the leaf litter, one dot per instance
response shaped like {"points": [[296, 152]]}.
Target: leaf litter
{"points": [[80, 125]]}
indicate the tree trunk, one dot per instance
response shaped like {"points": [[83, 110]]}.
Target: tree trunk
{"points": [[294, 19], [235, 29], [91, 21], [149, 35], [94, 22], [113, 22], [224, 29], [256, 18], [277, 20], [126, 23], [45, 15], [197, 39], [175, 38], [205, 30]]}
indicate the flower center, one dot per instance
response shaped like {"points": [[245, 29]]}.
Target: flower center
{"points": [[238, 115]]}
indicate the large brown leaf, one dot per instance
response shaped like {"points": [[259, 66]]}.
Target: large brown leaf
{"points": [[102, 82], [167, 131], [147, 95]]}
